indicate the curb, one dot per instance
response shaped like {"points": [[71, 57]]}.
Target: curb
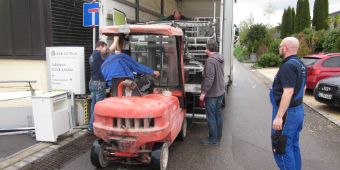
{"points": [[33, 153], [336, 122]]}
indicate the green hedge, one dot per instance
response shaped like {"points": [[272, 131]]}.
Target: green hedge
{"points": [[269, 60], [332, 43]]}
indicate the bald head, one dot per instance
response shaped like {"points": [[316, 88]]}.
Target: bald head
{"points": [[289, 46]]}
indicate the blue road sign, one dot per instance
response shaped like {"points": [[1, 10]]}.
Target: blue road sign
{"points": [[90, 14]]}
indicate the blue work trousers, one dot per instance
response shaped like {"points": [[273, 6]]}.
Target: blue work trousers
{"points": [[214, 117], [98, 93], [292, 127]]}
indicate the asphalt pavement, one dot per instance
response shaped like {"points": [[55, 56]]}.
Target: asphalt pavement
{"points": [[10, 144], [246, 136]]}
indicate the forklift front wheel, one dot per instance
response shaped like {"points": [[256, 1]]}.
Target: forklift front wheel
{"points": [[97, 155], [183, 133], [160, 156]]}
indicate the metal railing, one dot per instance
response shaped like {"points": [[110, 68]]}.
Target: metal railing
{"points": [[29, 84]]}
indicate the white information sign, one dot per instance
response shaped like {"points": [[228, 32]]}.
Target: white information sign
{"points": [[66, 69]]}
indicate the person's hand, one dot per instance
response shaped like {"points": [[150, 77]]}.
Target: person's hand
{"points": [[277, 123], [202, 96], [156, 73], [201, 103]]}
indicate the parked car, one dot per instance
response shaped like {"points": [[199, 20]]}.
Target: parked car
{"points": [[320, 66], [328, 91]]}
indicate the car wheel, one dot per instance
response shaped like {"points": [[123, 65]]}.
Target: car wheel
{"points": [[160, 156], [183, 133], [97, 155]]}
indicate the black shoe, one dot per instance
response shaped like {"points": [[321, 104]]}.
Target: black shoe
{"points": [[207, 142], [90, 131]]}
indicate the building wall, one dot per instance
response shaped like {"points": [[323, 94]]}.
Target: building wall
{"points": [[24, 70], [28, 69]]}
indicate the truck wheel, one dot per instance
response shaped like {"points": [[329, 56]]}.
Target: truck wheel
{"points": [[97, 155], [183, 133], [160, 157]]}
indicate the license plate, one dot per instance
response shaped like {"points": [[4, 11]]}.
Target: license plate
{"points": [[325, 96]]}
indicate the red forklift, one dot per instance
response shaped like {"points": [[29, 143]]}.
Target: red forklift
{"points": [[140, 128]]}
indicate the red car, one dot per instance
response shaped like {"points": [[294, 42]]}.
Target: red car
{"points": [[320, 66]]}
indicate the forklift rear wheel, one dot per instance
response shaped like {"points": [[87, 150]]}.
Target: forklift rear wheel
{"points": [[183, 133], [97, 154], [160, 156]]}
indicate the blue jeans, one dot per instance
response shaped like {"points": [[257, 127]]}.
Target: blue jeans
{"points": [[98, 92], [214, 117]]}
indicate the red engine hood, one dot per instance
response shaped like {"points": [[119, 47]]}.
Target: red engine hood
{"points": [[153, 105]]}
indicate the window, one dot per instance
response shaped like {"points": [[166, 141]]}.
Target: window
{"points": [[160, 53], [308, 61], [22, 30], [332, 62]]}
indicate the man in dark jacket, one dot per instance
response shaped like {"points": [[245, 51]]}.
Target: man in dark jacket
{"points": [[212, 92], [97, 83]]}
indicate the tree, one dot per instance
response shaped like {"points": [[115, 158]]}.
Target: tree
{"points": [[325, 13], [284, 24], [244, 28], [293, 20], [332, 43], [306, 19], [304, 48], [298, 18], [287, 24], [256, 37], [290, 20], [320, 14], [302, 20]]}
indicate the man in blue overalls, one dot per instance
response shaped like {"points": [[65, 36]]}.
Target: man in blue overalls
{"points": [[288, 113]]}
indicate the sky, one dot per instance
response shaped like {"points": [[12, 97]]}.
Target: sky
{"points": [[245, 8]]}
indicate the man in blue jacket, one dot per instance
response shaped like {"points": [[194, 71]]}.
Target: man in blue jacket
{"points": [[119, 67]]}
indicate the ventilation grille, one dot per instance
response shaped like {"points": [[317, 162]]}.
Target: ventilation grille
{"points": [[127, 123]]}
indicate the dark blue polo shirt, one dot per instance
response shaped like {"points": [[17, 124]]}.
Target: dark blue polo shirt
{"points": [[96, 61], [290, 75]]}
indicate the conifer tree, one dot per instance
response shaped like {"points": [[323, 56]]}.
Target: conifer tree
{"points": [[293, 20], [298, 17], [284, 24], [316, 15], [306, 20], [320, 14]]}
